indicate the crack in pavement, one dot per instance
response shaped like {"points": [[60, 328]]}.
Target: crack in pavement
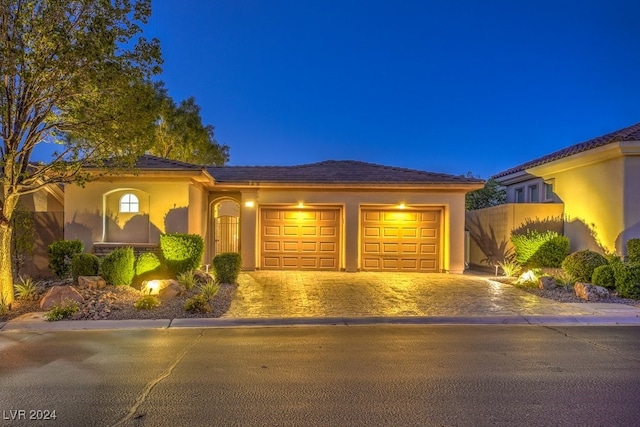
{"points": [[150, 385], [594, 344]]}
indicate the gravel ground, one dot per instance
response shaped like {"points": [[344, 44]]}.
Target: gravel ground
{"points": [[117, 303]]}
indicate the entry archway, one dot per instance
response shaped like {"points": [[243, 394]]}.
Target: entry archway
{"points": [[225, 226]]}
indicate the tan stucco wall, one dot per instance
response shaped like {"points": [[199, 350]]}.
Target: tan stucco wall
{"points": [[493, 226], [351, 202], [167, 206], [593, 196]]}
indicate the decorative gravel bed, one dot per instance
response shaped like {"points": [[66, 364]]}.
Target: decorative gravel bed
{"points": [[117, 303]]}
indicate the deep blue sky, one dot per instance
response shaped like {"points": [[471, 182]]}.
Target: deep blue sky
{"points": [[445, 86]]}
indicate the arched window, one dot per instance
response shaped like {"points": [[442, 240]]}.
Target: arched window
{"points": [[129, 203]]}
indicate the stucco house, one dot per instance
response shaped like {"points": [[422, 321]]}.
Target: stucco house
{"points": [[590, 189], [331, 215]]}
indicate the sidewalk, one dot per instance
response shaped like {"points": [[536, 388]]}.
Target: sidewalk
{"points": [[297, 298]]}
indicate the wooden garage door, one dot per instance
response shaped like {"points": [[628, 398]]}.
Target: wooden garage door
{"points": [[394, 240], [300, 239]]}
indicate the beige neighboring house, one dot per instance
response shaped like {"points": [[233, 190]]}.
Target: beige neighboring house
{"points": [[593, 187], [332, 215]]}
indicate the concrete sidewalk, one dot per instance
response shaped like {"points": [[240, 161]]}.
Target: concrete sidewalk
{"points": [[286, 298]]}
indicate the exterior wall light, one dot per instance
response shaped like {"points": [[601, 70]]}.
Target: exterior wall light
{"points": [[401, 206], [300, 205], [249, 203]]}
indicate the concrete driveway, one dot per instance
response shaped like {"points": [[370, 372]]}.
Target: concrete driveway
{"points": [[277, 294]]}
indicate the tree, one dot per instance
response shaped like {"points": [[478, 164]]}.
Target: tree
{"points": [[491, 195], [75, 74], [180, 134]]}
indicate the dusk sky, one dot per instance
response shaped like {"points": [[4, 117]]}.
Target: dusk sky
{"points": [[444, 86]]}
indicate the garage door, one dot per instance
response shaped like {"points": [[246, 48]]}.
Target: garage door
{"points": [[300, 239], [400, 240]]}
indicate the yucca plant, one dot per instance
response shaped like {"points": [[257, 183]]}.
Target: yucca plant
{"points": [[209, 290], [509, 268], [25, 288], [187, 279]]}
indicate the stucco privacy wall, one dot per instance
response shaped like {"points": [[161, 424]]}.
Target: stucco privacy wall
{"points": [[90, 212], [490, 228], [351, 201]]}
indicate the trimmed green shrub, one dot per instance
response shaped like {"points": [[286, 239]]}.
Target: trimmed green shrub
{"points": [[633, 250], [148, 267], [627, 277], [604, 276], [61, 253], [64, 310], [181, 252], [117, 267], [84, 265], [226, 267], [540, 249], [582, 263]]}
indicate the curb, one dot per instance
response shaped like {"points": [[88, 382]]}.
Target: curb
{"points": [[75, 325]]}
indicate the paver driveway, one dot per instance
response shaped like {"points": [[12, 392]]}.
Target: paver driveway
{"points": [[328, 294]]}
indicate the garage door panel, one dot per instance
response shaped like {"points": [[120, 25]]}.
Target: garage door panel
{"points": [[400, 240], [300, 239]]}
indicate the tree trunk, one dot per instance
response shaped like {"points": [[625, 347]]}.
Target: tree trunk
{"points": [[6, 274]]}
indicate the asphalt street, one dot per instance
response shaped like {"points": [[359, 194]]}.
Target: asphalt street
{"points": [[323, 375]]}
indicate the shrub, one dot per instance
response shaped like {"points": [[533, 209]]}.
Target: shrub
{"points": [[181, 252], [509, 268], [633, 250], [226, 267], [627, 277], [61, 253], [604, 276], [148, 267], [582, 263], [187, 279], [62, 311], [540, 249], [26, 289], [565, 280], [147, 302], [197, 303], [117, 267], [84, 265], [209, 290]]}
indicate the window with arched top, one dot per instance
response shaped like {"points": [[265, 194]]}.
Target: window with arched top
{"points": [[129, 203]]}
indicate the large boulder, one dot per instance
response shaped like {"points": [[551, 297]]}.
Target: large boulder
{"points": [[165, 289], [589, 292], [60, 295], [547, 282], [91, 282]]}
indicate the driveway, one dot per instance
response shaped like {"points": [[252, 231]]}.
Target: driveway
{"points": [[276, 294]]}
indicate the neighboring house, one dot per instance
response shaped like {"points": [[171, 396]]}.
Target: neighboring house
{"points": [[593, 187], [332, 215]]}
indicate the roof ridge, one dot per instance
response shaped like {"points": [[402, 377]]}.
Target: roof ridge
{"points": [[629, 133]]}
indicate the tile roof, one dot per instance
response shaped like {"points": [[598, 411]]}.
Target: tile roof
{"points": [[334, 172], [631, 133], [148, 161]]}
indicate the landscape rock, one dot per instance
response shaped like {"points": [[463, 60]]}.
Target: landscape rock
{"points": [[165, 289], [547, 282], [91, 282], [57, 295], [589, 292], [201, 277]]}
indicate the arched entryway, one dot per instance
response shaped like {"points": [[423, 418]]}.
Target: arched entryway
{"points": [[225, 226]]}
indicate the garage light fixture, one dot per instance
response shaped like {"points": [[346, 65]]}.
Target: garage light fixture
{"points": [[300, 205], [401, 206]]}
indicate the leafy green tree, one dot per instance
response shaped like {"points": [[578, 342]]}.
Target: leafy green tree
{"points": [[180, 134], [74, 74], [491, 195]]}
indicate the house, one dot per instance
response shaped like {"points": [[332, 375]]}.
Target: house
{"points": [[331, 215], [590, 190]]}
